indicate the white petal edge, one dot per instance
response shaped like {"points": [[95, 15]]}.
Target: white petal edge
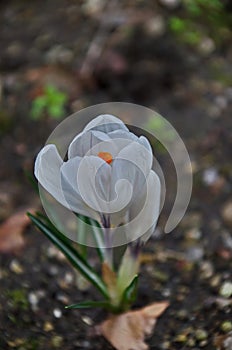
{"points": [[105, 120], [139, 155], [94, 181], [84, 141], [89, 173], [47, 171], [122, 134], [144, 223], [69, 186]]}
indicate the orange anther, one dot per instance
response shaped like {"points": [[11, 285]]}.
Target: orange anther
{"points": [[106, 156]]}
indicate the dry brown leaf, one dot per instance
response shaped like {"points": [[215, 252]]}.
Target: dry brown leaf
{"points": [[110, 278], [11, 232], [128, 330], [108, 275]]}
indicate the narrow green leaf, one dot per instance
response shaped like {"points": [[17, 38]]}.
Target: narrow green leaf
{"points": [[81, 232], [97, 235], [88, 304], [64, 245], [130, 292]]}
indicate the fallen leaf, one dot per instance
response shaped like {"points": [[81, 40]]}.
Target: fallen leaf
{"points": [[128, 330], [11, 232]]}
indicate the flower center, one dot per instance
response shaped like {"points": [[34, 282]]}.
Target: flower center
{"points": [[106, 156]]}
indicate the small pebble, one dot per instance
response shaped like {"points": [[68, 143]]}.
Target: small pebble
{"points": [[15, 343], [201, 334], [68, 277], [41, 293], [228, 343], [48, 326], [215, 281], [166, 292], [165, 345], [86, 344], [214, 111], [57, 313], [53, 252], [81, 282], [227, 213], [182, 314], [181, 338], [228, 93], [210, 176], [194, 234], [91, 7], [226, 290], [195, 253], [221, 102], [33, 299], [191, 342], [57, 341], [53, 270], [170, 4], [227, 239], [207, 269], [207, 46], [59, 54], [16, 267], [87, 320], [223, 303], [155, 26], [203, 343], [226, 326], [63, 298]]}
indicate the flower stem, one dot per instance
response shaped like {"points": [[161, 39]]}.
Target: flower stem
{"points": [[108, 249]]}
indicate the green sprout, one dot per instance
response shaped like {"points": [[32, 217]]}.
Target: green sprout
{"points": [[52, 102], [18, 298]]}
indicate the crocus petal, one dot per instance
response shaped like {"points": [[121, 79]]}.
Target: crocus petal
{"points": [[143, 218], [138, 154], [122, 134], [47, 172], [127, 179], [144, 141], [94, 181], [83, 142], [69, 186], [105, 123], [109, 146]]}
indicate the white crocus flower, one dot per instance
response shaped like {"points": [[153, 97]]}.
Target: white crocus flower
{"points": [[107, 176]]}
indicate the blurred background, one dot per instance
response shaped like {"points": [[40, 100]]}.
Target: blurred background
{"points": [[174, 56]]}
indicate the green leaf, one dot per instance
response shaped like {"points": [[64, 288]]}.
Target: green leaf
{"points": [[129, 294], [56, 111], [177, 24], [38, 107], [97, 235], [89, 304], [64, 245]]}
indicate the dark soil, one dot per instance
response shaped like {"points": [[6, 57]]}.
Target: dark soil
{"points": [[47, 42]]}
